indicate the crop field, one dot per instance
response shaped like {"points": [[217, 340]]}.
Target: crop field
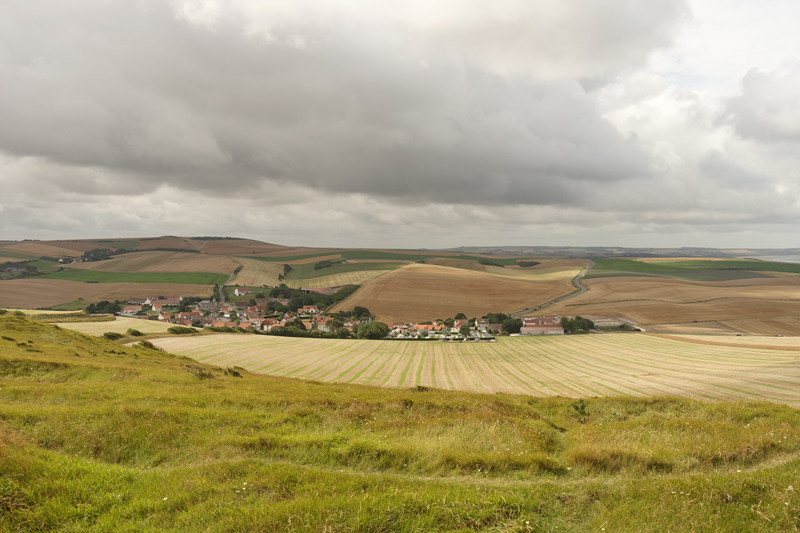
{"points": [[161, 262], [307, 272], [239, 246], [256, 273], [764, 306], [428, 292], [578, 366], [186, 278], [55, 249], [38, 292], [120, 324], [335, 280], [714, 269]]}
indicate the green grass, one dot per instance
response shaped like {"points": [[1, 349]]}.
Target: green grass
{"points": [[75, 305], [189, 278], [307, 271], [98, 437], [697, 270]]}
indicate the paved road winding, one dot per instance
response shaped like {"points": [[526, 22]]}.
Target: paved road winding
{"points": [[575, 281]]}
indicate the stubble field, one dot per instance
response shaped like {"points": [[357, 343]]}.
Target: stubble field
{"points": [[37, 292], [161, 262], [579, 366], [119, 325], [427, 292], [760, 306]]}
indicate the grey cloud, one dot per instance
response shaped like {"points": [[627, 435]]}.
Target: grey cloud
{"points": [[129, 88], [766, 109]]}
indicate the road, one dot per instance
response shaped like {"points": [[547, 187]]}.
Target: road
{"points": [[222, 289], [575, 281]]}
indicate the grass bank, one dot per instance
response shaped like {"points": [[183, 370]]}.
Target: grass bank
{"points": [[95, 436], [96, 276]]}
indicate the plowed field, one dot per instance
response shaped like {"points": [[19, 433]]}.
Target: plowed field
{"points": [[33, 293], [580, 366], [764, 306], [162, 262], [428, 292]]}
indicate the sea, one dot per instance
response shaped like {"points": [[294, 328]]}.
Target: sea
{"points": [[778, 258]]}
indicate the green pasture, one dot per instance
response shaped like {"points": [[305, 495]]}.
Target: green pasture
{"points": [[696, 270], [188, 278], [390, 256], [97, 437]]}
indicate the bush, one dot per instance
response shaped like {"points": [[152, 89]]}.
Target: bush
{"points": [[148, 346], [3, 311], [112, 335], [525, 264], [181, 330], [135, 332], [489, 262]]}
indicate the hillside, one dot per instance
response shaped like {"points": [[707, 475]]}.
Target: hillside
{"points": [[427, 292], [98, 437]]}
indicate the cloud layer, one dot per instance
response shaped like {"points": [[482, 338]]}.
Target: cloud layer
{"points": [[309, 122]]}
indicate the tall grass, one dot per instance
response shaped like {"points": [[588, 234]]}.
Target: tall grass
{"points": [[99, 437]]}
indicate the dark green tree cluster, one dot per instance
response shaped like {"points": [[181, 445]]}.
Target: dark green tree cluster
{"points": [[490, 262], [298, 299], [576, 325], [372, 330], [104, 307], [512, 325], [319, 265]]}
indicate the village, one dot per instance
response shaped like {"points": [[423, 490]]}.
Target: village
{"points": [[260, 314]]}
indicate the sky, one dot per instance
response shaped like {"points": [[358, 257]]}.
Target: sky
{"points": [[415, 124]]}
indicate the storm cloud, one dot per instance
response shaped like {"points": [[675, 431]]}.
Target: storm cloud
{"points": [[129, 117]]}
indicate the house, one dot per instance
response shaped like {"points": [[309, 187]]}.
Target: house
{"points": [[131, 309], [157, 307], [137, 301], [222, 324], [323, 324], [461, 323], [309, 309], [539, 321], [207, 305], [366, 319], [495, 327], [241, 291], [164, 316]]}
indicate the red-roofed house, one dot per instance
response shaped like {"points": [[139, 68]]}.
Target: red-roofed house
{"points": [[241, 291]]}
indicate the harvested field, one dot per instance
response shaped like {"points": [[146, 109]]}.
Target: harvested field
{"points": [[335, 280], [99, 276], [161, 262], [165, 242], [37, 292], [428, 292], [10, 260], [765, 306], [119, 325], [240, 246], [579, 366], [54, 249], [256, 273]]}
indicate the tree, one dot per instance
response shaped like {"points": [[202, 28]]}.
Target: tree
{"points": [[464, 331], [449, 322], [512, 325], [460, 316], [361, 311], [372, 330], [342, 333]]}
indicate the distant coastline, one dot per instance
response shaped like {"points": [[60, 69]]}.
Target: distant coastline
{"points": [[778, 258]]}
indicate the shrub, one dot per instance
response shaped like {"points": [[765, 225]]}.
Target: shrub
{"points": [[181, 330], [112, 335], [149, 346], [525, 264], [489, 262], [135, 332]]}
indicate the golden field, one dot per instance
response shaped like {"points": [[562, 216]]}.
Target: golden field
{"points": [[162, 262], [36, 292], [574, 366], [420, 292], [759, 306]]}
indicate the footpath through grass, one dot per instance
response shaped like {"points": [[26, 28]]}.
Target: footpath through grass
{"points": [[95, 436], [96, 276]]}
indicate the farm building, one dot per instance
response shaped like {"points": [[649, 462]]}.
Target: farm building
{"points": [[542, 330], [241, 291]]}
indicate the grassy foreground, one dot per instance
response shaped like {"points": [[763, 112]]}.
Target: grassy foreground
{"points": [[98, 437]]}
